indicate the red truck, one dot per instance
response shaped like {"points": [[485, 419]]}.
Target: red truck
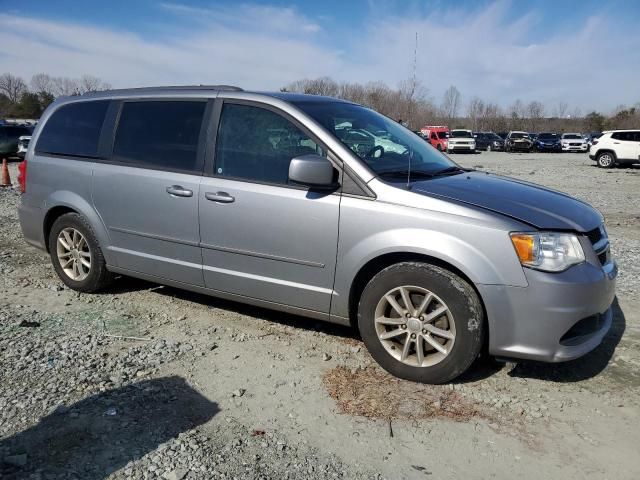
{"points": [[437, 136]]}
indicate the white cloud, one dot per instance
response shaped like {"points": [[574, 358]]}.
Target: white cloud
{"points": [[264, 47]]}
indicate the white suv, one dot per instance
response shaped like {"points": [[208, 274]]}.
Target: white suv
{"points": [[461, 140], [573, 142], [616, 147]]}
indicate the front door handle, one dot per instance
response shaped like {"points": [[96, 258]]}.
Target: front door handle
{"points": [[220, 197], [178, 191]]}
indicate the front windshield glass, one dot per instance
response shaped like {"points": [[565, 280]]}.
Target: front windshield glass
{"points": [[443, 135], [383, 144], [461, 134], [572, 136], [493, 136], [518, 135]]}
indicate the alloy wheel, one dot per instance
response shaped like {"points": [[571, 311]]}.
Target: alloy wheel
{"points": [[415, 326], [73, 254]]}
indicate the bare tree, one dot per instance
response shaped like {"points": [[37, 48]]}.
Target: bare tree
{"points": [[318, 86], [12, 86], [561, 110], [475, 109], [89, 83], [535, 112], [451, 102], [42, 83]]}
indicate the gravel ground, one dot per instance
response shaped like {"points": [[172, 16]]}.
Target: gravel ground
{"points": [[145, 381]]}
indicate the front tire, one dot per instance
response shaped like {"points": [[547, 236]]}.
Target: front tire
{"points": [[421, 322], [606, 160], [76, 255]]}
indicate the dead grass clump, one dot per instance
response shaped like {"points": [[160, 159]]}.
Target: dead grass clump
{"points": [[373, 393]]}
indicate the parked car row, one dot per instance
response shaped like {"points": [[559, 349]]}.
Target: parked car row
{"points": [[463, 140]]}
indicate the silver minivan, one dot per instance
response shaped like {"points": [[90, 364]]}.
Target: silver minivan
{"points": [[319, 207]]}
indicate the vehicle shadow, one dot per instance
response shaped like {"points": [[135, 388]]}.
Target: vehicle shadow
{"points": [[130, 284], [577, 370], [99, 435]]}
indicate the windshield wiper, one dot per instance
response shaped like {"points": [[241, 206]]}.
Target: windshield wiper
{"points": [[405, 173], [453, 170]]}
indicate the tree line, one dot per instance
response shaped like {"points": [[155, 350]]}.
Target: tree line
{"points": [[411, 103], [21, 100]]}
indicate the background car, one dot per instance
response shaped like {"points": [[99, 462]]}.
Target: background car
{"points": [[9, 136], [518, 142], [489, 141], [437, 135], [547, 142], [461, 140], [616, 147], [573, 142], [23, 145], [592, 138]]}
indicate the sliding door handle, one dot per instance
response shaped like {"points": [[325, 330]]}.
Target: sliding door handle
{"points": [[178, 191], [219, 197]]}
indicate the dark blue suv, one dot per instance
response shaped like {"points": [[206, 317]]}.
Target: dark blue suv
{"points": [[548, 142]]}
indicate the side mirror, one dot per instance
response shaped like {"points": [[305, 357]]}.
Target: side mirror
{"points": [[312, 171]]}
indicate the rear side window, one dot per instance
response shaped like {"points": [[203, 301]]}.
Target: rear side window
{"points": [[624, 136], [160, 134], [73, 130]]}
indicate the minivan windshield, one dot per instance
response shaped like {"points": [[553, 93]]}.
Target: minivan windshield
{"points": [[383, 144]]}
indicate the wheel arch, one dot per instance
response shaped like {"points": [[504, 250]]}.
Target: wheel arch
{"points": [[63, 202], [379, 263], [606, 150]]}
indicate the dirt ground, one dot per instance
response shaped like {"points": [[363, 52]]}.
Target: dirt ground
{"points": [[213, 389]]}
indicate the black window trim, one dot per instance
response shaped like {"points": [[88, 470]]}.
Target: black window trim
{"points": [[108, 141]]}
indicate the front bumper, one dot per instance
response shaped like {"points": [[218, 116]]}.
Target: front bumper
{"points": [[548, 148], [575, 148], [556, 318], [521, 147], [462, 148]]}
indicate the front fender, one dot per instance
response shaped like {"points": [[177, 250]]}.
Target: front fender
{"points": [[490, 259]]}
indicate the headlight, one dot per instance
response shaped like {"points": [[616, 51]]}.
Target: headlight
{"points": [[548, 251]]}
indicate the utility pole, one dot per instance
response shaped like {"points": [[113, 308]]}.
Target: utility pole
{"points": [[414, 80]]}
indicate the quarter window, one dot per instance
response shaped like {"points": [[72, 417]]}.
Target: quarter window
{"points": [[74, 129], [160, 134], [257, 144]]}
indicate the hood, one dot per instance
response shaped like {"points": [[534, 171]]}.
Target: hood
{"points": [[527, 139], [523, 201], [574, 140]]}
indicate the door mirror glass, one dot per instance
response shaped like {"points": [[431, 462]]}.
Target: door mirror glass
{"points": [[312, 171]]}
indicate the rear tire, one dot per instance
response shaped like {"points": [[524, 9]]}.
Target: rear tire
{"points": [[606, 160], [76, 255], [448, 331]]}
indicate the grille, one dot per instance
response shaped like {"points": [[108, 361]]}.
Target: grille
{"points": [[600, 244], [594, 235]]}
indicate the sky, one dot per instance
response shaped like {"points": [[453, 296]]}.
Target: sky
{"points": [[584, 53]]}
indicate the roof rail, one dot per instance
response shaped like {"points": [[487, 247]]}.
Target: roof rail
{"points": [[230, 88]]}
